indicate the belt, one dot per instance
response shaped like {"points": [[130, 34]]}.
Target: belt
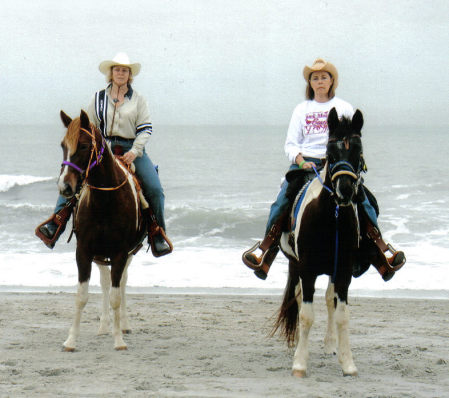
{"points": [[118, 138]]}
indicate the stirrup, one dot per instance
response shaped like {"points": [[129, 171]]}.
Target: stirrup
{"points": [[251, 260], [397, 260], [159, 231], [50, 242]]}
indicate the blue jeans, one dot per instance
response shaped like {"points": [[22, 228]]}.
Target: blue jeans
{"points": [[280, 206], [148, 177]]}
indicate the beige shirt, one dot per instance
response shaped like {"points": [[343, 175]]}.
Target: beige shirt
{"points": [[131, 121]]}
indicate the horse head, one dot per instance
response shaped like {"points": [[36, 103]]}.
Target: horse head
{"points": [[80, 152], [344, 155]]}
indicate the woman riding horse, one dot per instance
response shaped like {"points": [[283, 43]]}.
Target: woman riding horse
{"points": [[305, 147], [121, 114]]}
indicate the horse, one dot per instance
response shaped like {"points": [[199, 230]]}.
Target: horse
{"points": [[324, 241], [108, 222]]}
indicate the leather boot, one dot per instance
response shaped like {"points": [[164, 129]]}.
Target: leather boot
{"points": [[157, 239], [269, 249]]}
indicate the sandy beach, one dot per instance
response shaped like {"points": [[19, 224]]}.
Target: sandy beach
{"points": [[218, 346]]}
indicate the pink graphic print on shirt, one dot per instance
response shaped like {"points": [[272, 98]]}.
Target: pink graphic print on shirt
{"points": [[316, 123]]}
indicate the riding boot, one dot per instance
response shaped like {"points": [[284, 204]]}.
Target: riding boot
{"points": [[376, 250], [269, 249], [157, 239], [50, 230]]}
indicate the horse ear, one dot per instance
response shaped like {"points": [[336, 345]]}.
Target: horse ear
{"points": [[357, 121], [85, 123], [332, 120], [66, 120]]}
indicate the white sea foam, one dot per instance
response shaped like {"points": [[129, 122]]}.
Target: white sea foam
{"points": [[215, 268], [7, 181]]}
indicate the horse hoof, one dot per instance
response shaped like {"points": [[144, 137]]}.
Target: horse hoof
{"points": [[69, 349], [121, 348], [350, 373], [126, 331], [299, 373]]}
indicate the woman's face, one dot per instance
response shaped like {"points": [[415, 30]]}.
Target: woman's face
{"points": [[321, 82], [120, 75]]}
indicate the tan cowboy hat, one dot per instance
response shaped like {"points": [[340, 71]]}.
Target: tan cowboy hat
{"points": [[121, 59], [321, 64]]}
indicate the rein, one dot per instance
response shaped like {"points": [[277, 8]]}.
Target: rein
{"points": [[96, 162], [348, 170]]}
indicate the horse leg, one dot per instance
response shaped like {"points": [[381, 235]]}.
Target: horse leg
{"points": [[330, 341], [306, 318], [84, 263], [117, 267], [298, 295], [124, 323], [105, 280], [344, 349]]}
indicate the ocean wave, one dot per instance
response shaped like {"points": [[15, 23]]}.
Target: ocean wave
{"points": [[27, 206], [8, 181]]}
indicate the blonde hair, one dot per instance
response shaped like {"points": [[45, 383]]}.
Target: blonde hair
{"points": [[310, 94], [109, 75]]}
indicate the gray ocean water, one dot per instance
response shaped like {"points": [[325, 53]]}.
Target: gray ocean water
{"points": [[219, 183]]}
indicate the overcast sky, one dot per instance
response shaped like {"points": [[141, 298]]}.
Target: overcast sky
{"points": [[227, 61]]}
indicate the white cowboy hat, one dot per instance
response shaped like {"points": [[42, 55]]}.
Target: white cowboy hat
{"points": [[321, 64], [121, 59]]}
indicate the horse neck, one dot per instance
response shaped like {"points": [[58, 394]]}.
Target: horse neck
{"points": [[106, 173]]}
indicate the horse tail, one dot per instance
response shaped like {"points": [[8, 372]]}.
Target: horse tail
{"points": [[287, 319]]}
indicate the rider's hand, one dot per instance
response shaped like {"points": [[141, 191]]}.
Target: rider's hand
{"points": [[128, 157], [308, 165]]}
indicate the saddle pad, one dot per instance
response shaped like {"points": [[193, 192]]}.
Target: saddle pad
{"points": [[312, 189], [297, 204]]}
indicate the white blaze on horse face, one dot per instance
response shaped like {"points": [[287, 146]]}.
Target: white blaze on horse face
{"points": [[62, 176]]}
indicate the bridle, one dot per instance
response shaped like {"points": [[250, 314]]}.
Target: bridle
{"points": [[337, 169], [343, 167], [93, 161], [98, 155]]}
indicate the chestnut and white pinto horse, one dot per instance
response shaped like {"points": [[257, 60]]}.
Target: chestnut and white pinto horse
{"points": [[325, 241], [108, 223]]}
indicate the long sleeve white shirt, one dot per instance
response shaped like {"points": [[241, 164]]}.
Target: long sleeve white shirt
{"points": [[131, 121], [308, 132]]}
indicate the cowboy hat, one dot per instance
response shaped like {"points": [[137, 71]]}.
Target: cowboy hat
{"points": [[121, 59], [321, 64]]}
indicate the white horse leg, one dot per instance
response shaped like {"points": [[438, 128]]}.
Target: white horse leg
{"points": [[306, 318], [124, 323], [105, 280], [330, 341], [115, 299], [344, 349], [80, 303]]}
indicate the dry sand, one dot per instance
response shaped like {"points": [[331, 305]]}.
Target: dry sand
{"points": [[217, 346]]}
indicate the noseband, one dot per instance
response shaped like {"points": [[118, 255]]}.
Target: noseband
{"points": [[98, 155], [343, 167]]}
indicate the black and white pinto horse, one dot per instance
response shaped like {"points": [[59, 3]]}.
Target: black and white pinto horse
{"points": [[325, 241], [107, 221]]}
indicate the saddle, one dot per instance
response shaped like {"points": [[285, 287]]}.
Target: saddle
{"points": [[298, 181]]}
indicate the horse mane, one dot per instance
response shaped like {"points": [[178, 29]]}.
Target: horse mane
{"points": [[72, 136]]}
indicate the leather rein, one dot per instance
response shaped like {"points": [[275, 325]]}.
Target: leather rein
{"points": [[92, 164]]}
